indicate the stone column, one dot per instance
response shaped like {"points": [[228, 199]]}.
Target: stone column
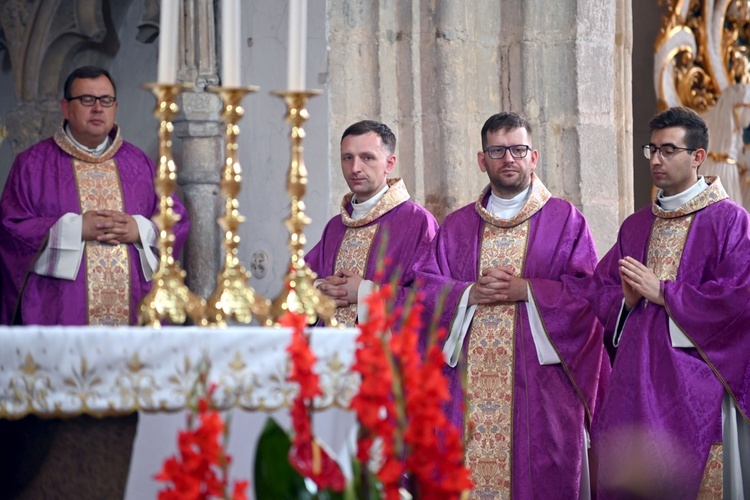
{"points": [[40, 37], [572, 66], [200, 151], [434, 71]]}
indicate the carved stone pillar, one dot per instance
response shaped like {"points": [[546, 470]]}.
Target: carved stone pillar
{"points": [[434, 71], [201, 148], [40, 37]]}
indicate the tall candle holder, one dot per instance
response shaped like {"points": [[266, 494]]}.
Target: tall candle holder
{"points": [[233, 297], [299, 293], [169, 298]]}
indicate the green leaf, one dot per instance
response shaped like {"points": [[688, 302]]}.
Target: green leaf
{"points": [[353, 490], [275, 478]]}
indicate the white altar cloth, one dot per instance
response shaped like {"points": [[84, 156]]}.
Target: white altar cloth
{"points": [[68, 371]]}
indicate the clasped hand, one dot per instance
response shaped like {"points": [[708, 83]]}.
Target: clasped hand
{"points": [[498, 284], [638, 281], [342, 287], [109, 226]]}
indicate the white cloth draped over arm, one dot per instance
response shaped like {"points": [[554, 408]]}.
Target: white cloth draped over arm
{"points": [[452, 348], [545, 352], [455, 340], [61, 256], [366, 287], [147, 246]]}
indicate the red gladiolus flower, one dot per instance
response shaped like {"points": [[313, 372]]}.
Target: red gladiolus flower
{"points": [[200, 470], [400, 401], [305, 455]]}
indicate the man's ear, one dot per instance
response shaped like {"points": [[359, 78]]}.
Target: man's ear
{"points": [[390, 164], [700, 155], [480, 161], [64, 107]]}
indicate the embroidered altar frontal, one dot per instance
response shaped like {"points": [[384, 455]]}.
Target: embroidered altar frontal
{"points": [[68, 371]]}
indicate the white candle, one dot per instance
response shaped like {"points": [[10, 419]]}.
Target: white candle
{"points": [[297, 44], [168, 28], [230, 43]]}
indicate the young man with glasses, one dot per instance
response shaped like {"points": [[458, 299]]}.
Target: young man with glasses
{"points": [[673, 294], [527, 345], [76, 238]]}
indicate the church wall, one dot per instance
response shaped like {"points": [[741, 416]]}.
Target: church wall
{"points": [[264, 147], [456, 63], [648, 15]]}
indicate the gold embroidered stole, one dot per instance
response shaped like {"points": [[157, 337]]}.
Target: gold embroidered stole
{"points": [[666, 245], [353, 256], [107, 266], [354, 252], [490, 362], [491, 354]]}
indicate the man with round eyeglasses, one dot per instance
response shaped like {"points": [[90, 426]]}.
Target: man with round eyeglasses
{"points": [[77, 243], [527, 345], [77, 247], [673, 295]]}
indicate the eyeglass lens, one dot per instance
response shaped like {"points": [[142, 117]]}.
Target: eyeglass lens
{"points": [[90, 100], [498, 152]]}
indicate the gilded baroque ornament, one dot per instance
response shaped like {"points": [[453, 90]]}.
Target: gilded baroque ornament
{"points": [[702, 61], [702, 48]]}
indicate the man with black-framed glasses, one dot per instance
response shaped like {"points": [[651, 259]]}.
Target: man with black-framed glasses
{"points": [[673, 294], [528, 346], [77, 247], [77, 243]]}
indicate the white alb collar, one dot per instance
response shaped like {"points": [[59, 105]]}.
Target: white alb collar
{"points": [[507, 209], [679, 199], [359, 210], [97, 151]]}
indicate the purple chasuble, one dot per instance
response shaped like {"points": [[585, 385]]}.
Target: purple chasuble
{"points": [[662, 411], [407, 229], [551, 403], [40, 189]]}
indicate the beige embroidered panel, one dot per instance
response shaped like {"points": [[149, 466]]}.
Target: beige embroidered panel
{"points": [[490, 361], [353, 256], [68, 371], [107, 266], [712, 482], [665, 248]]}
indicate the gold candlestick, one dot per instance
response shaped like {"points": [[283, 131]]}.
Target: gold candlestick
{"points": [[169, 298], [233, 297], [299, 293]]}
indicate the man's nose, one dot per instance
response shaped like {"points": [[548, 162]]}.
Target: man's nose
{"points": [[356, 165]]}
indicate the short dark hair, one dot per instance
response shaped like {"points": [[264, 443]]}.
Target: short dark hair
{"points": [[366, 126], [507, 120], [88, 72], [696, 131]]}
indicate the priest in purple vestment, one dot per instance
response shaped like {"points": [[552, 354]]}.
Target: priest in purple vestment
{"points": [[77, 245], [376, 212], [524, 352], [673, 294]]}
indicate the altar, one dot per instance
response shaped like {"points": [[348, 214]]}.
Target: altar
{"points": [[69, 371]]}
